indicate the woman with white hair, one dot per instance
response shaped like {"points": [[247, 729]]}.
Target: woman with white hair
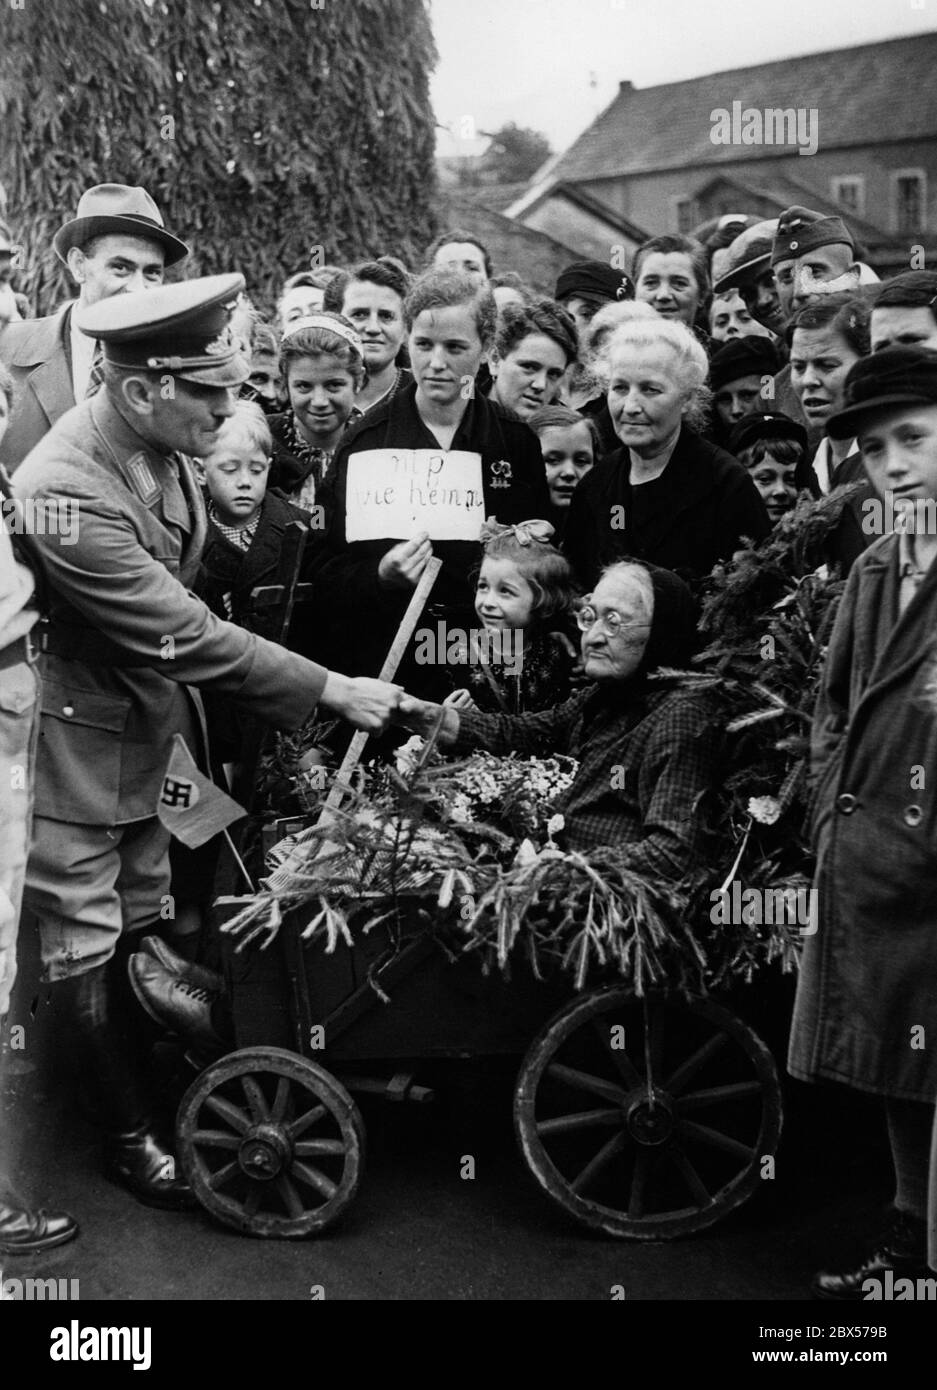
{"points": [[665, 495]]}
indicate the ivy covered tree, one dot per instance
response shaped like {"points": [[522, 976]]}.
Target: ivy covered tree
{"points": [[514, 154], [263, 128]]}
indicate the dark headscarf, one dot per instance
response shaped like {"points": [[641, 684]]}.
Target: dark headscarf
{"points": [[673, 636]]}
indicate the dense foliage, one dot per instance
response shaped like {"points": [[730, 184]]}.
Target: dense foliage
{"points": [[262, 128]]}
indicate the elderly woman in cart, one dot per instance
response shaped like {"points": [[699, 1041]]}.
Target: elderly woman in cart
{"points": [[646, 752]]}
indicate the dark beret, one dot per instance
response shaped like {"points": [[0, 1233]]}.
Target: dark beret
{"points": [[763, 424], [747, 356], [595, 278]]}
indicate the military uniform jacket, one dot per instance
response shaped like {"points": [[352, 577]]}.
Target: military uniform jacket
{"points": [[124, 635], [38, 355]]}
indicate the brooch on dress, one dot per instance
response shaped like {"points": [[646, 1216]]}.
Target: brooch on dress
{"points": [[502, 473]]}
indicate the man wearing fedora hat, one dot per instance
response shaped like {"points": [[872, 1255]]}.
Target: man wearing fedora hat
{"points": [[123, 643], [864, 1011], [116, 242]]}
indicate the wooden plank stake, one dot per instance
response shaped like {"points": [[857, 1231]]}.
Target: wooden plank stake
{"points": [[352, 757], [393, 659]]}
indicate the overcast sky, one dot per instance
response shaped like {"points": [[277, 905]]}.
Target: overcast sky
{"points": [[555, 64]]}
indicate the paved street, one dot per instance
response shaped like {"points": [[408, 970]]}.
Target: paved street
{"points": [[419, 1230]]}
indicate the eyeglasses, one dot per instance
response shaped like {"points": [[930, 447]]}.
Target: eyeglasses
{"points": [[612, 622]]}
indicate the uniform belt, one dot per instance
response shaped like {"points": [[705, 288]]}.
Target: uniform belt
{"points": [[84, 644], [18, 652]]}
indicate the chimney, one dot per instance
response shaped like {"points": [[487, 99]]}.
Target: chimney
{"points": [[625, 86]]}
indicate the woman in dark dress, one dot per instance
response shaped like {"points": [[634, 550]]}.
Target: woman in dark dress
{"points": [[666, 496], [365, 574]]}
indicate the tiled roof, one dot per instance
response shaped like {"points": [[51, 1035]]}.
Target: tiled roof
{"points": [[865, 96], [594, 206]]}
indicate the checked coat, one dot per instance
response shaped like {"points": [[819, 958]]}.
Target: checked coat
{"points": [[646, 760]]}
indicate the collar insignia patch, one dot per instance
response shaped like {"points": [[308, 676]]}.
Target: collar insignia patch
{"points": [[139, 475]]}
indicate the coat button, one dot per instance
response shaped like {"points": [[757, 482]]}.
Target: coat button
{"points": [[913, 815], [68, 711], [846, 803]]}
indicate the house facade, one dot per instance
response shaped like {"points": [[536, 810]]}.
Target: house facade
{"points": [[852, 131]]}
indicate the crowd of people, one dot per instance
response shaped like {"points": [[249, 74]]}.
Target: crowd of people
{"points": [[579, 461]]}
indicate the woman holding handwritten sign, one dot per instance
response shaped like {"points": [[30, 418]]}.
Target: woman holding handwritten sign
{"points": [[417, 477]]}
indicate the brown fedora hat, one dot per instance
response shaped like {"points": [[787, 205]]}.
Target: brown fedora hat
{"points": [[116, 207]]}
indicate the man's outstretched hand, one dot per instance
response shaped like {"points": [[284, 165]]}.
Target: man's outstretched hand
{"points": [[368, 704]]}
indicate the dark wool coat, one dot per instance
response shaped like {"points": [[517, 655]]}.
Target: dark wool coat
{"points": [[359, 617], [705, 502], [229, 573], [869, 975], [226, 569]]}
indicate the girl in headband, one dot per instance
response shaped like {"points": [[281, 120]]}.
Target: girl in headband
{"points": [[520, 659], [322, 366]]}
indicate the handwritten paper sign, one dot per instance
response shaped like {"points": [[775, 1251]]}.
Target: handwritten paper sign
{"points": [[394, 493]]}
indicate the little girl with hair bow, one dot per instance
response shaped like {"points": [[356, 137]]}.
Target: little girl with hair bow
{"points": [[521, 659]]}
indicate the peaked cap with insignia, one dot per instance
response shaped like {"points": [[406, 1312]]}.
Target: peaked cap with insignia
{"points": [[182, 329]]}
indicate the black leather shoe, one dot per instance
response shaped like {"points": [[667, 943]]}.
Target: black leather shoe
{"points": [[24, 1232], [145, 1167], [170, 960], [902, 1249], [175, 1002]]}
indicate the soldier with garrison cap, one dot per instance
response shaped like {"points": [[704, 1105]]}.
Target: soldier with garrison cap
{"points": [[810, 250], [123, 642]]}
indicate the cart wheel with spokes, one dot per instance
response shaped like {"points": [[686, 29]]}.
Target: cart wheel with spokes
{"points": [[649, 1118], [271, 1143]]}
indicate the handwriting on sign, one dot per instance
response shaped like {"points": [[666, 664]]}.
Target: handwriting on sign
{"points": [[394, 493]]}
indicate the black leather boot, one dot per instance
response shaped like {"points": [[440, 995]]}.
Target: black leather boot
{"points": [[95, 1012], [25, 1232], [902, 1249]]}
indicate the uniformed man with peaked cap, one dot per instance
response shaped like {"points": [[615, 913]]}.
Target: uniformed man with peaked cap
{"points": [[123, 641]]}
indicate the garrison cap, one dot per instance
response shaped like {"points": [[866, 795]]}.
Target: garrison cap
{"points": [[802, 229], [765, 424], [894, 377], [182, 329]]}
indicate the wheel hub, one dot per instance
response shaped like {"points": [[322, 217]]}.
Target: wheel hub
{"points": [[650, 1120], [264, 1152]]}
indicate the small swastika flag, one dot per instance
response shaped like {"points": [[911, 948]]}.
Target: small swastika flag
{"points": [[190, 805]]}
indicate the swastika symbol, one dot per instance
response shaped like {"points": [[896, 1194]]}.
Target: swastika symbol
{"points": [[176, 793]]}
